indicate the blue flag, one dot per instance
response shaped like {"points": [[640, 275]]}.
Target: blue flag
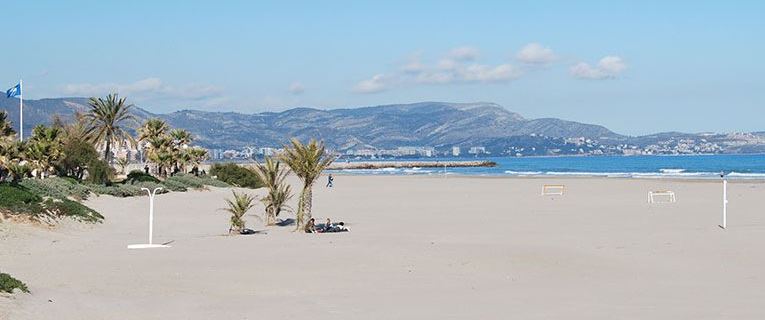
{"points": [[15, 91]]}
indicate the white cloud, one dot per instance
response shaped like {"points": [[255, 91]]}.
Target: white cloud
{"points": [[464, 54], [612, 64], [145, 89], [483, 73], [453, 68], [535, 53], [608, 67], [296, 88], [377, 83]]}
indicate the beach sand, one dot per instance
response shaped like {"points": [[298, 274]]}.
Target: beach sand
{"points": [[419, 248]]}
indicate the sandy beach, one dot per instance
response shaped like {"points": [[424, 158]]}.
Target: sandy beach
{"points": [[419, 248]]}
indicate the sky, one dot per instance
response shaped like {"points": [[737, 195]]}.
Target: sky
{"points": [[636, 67]]}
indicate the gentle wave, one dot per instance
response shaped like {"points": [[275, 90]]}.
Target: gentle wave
{"points": [[664, 173]]}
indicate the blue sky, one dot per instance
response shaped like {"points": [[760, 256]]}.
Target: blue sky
{"points": [[636, 67]]}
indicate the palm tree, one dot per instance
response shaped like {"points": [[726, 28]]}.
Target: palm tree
{"points": [[198, 155], [105, 122], [44, 148], [181, 137], [181, 140], [272, 174], [307, 161], [152, 128], [7, 133], [238, 207], [160, 153]]}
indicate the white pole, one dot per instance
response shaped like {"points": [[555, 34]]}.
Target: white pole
{"points": [[21, 110], [725, 204], [151, 224], [151, 218], [151, 212]]}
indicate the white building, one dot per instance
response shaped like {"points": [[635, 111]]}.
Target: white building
{"points": [[477, 150]]}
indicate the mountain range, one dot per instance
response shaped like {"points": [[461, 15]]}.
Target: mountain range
{"points": [[434, 124]]}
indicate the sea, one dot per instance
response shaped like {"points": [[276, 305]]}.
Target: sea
{"points": [[750, 166]]}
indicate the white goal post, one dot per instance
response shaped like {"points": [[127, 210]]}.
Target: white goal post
{"points": [[553, 190], [666, 194]]}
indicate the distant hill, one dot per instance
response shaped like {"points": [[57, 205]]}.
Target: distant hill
{"points": [[436, 124]]}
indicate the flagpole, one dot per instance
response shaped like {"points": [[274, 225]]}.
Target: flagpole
{"points": [[21, 110]]}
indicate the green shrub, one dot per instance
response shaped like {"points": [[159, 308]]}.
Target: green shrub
{"points": [[236, 175], [174, 185], [77, 156], [192, 181], [56, 187], [151, 186], [100, 172], [140, 176], [125, 190], [18, 199], [72, 209], [8, 283]]}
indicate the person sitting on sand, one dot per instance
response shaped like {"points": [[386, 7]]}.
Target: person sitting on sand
{"points": [[327, 226], [310, 227]]}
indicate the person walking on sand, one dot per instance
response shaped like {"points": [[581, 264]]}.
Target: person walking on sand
{"points": [[330, 179]]}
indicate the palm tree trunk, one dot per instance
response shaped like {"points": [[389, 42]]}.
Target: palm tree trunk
{"points": [[307, 203], [108, 147]]}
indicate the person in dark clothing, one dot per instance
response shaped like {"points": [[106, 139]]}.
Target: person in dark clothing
{"points": [[310, 227], [146, 169], [330, 180]]}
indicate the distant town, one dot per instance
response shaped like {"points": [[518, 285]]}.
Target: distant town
{"points": [[539, 145]]}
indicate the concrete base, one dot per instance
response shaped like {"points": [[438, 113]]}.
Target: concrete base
{"points": [[147, 246]]}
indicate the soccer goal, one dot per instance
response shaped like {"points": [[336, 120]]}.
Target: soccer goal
{"points": [[662, 196], [553, 190]]}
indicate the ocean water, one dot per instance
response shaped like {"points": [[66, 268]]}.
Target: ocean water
{"points": [[692, 166]]}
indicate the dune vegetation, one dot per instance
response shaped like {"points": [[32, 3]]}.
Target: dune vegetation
{"points": [[46, 176]]}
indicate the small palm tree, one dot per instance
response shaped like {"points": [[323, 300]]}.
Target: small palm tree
{"points": [[44, 148], [17, 171], [7, 133], [238, 207], [307, 161], [272, 174], [105, 122]]}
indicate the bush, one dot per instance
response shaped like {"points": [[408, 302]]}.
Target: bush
{"points": [[100, 172], [236, 175], [56, 187], [79, 154], [19, 199], [174, 185], [125, 190], [140, 176], [192, 181], [72, 209], [8, 283]]}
